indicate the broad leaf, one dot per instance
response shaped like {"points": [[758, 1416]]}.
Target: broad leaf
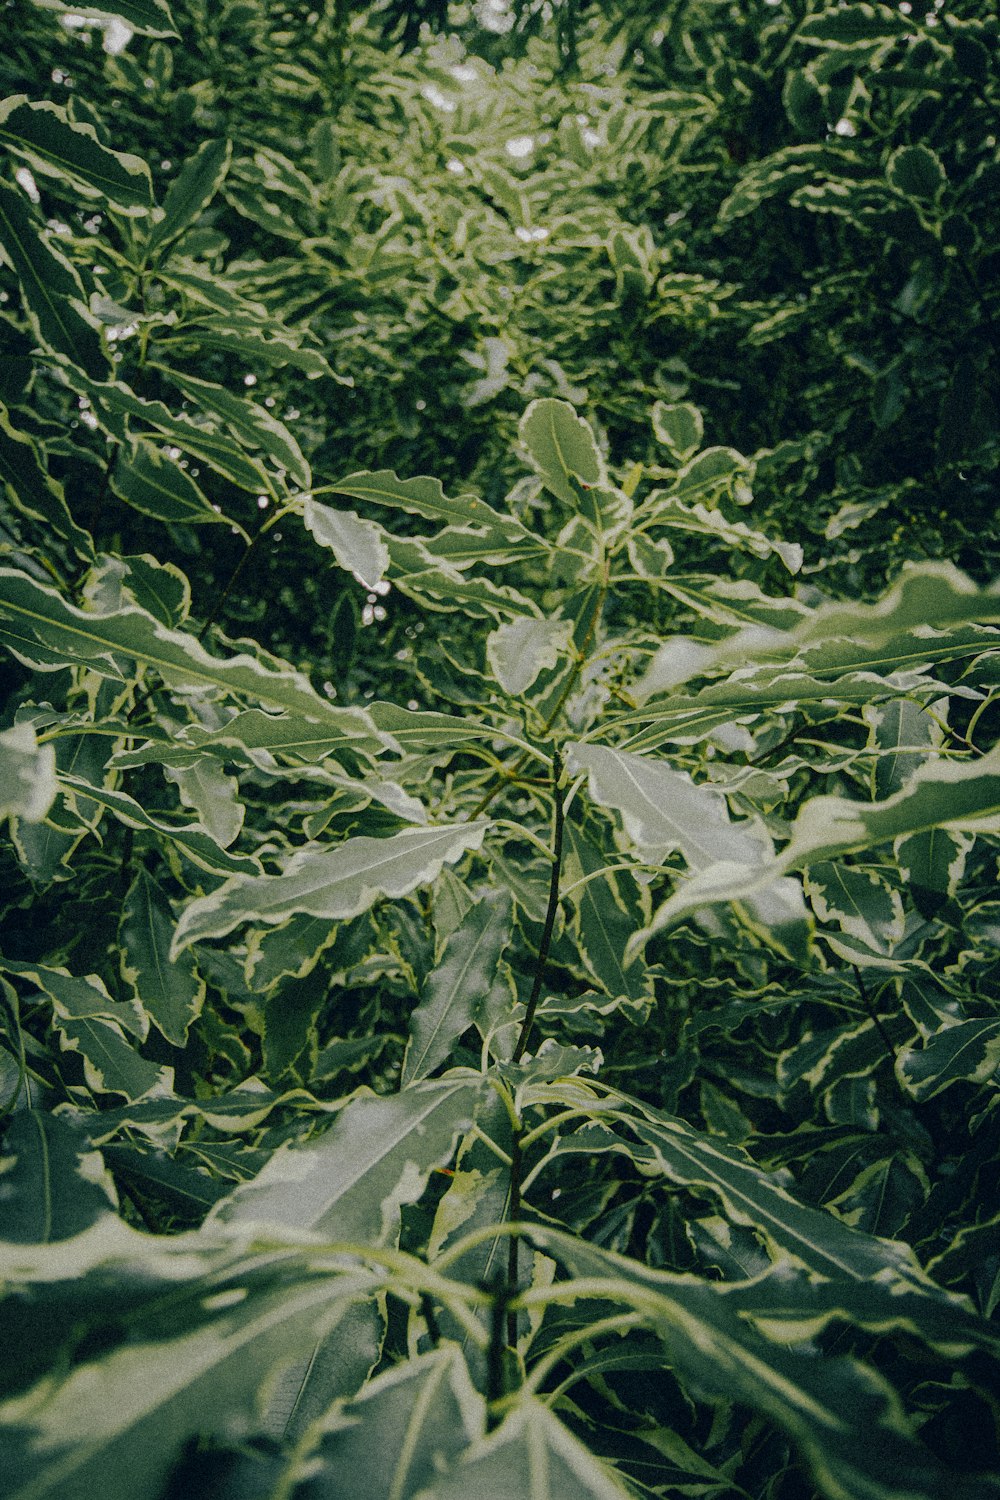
{"points": [[350, 1183]]}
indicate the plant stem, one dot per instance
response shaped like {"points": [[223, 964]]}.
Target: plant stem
{"points": [[513, 1244], [494, 1353], [550, 914], [873, 1013]]}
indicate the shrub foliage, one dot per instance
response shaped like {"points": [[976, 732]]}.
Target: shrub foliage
{"points": [[498, 954]]}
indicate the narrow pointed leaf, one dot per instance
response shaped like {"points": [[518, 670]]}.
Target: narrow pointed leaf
{"points": [[333, 883], [457, 992], [170, 993], [157, 485], [54, 298], [55, 146], [191, 191], [350, 1183]]}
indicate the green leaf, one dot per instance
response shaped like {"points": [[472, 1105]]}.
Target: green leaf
{"points": [[679, 427], [113, 402], [98, 1028], [402, 1430], [435, 584], [531, 1455], [861, 904], [157, 485], [932, 864], [115, 1425], [609, 910], [903, 734], [956, 795], [212, 795], [458, 992], [664, 810], [425, 497], [851, 25], [58, 147], [199, 845], [358, 545], [33, 491], [916, 171], [42, 628], [968, 1052], [668, 509], [54, 299], [519, 649], [147, 17], [252, 424], [561, 448], [51, 1186], [27, 774], [350, 1183], [337, 1366], [170, 993], [332, 883], [191, 191]]}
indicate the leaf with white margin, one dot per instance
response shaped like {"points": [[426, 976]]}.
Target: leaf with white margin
{"points": [[403, 1429], [664, 810], [170, 994], [561, 447], [105, 1032], [963, 796], [460, 990], [27, 774], [334, 883], [208, 791], [113, 1426], [519, 649], [45, 631], [532, 1456], [669, 511], [56, 146], [357, 544], [966, 1053], [351, 1182]]}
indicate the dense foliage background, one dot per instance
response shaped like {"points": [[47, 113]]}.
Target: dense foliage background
{"points": [[499, 926]]}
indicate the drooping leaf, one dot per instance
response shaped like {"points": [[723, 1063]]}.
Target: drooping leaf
{"points": [[54, 298], [170, 993], [458, 992], [350, 1183], [51, 1186], [56, 146], [40, 626], [334, 883]]}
